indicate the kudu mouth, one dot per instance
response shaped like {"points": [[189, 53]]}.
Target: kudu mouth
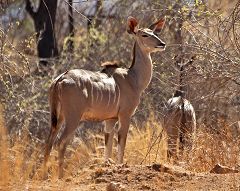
{"points": [[160, 47]]}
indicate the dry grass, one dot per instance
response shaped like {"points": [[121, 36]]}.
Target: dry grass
{"points": [[21, 165], [148, 145], [211, 148], [18, 158], [4, 153]]}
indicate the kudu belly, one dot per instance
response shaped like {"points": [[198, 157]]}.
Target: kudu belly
{"points": [[102, 101]]}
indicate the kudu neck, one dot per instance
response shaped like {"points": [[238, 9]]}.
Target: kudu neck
{"points": [[181, 91], [141, 68]]}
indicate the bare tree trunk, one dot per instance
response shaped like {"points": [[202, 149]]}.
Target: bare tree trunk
{"points": [[176, 28], [96, 19], [70, 44], [44, 21], [98, 14]]}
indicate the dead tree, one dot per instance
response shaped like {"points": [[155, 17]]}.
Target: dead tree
{"points": [[179, 118], [70, 44], [44, 21]]}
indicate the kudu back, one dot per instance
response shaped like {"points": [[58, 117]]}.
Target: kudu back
{"points": [[81, 95], [179, 118]]}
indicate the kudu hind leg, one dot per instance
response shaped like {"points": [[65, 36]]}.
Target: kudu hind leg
{"points": [[70, 127], [172, 133], [122, 137], [187, 136], [109, 134], [182, 140], [49, 144]]}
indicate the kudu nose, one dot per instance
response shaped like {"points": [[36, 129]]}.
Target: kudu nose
{"points": [[161, 45]]}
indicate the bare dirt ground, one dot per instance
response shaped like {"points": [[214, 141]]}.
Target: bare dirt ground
{"points": [[123, 178]]}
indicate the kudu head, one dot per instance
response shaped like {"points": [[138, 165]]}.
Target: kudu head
{"points": [[181, 65], [147, 37], [183, 72]]}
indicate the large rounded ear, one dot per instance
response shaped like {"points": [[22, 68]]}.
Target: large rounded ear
{"points": [[158, 26], [131, 25]]}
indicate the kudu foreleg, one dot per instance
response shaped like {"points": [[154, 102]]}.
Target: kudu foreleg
{"points": [[109, 134], [122, 137]]}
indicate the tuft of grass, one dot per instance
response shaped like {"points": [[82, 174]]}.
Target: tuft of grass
{"points": [[211, 148], [147, 145], [18, 156]]}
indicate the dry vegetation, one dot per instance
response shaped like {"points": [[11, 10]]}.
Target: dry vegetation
{"points": [[85, 170], [211, 34]]}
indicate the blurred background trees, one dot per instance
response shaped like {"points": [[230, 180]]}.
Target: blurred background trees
{"points": [[44, 24], [86, 33]]}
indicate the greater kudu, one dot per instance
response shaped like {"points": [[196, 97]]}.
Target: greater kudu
{"points": [[79, 95], [179, 118]]}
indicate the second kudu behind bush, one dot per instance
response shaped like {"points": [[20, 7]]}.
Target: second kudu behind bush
{"points": [[180, 119], [79, 95]]}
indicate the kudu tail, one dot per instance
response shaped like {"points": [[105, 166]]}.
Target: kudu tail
{"points": [[53, 102]]}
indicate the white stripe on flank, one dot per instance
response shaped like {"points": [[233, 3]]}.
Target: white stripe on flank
{"points": [[79, 83], [118, 99], [97, 95], [91, 92], [101, 95], [109, 96], [114, 98]]}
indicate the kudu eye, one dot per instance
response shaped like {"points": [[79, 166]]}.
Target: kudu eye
{"points": [[144, 35]]}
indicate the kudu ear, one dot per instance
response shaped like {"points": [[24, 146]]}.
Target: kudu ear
{"points": [[131, 25], [158, 26]]}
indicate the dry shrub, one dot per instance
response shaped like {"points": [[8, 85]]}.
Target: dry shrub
{"points": [[4, 165], [212, 147], [18, 157], [147, 145], [79, 155], [21, 158]]}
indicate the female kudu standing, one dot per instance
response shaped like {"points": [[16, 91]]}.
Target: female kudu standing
{"points": [[179, 118], [79, 95]]}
